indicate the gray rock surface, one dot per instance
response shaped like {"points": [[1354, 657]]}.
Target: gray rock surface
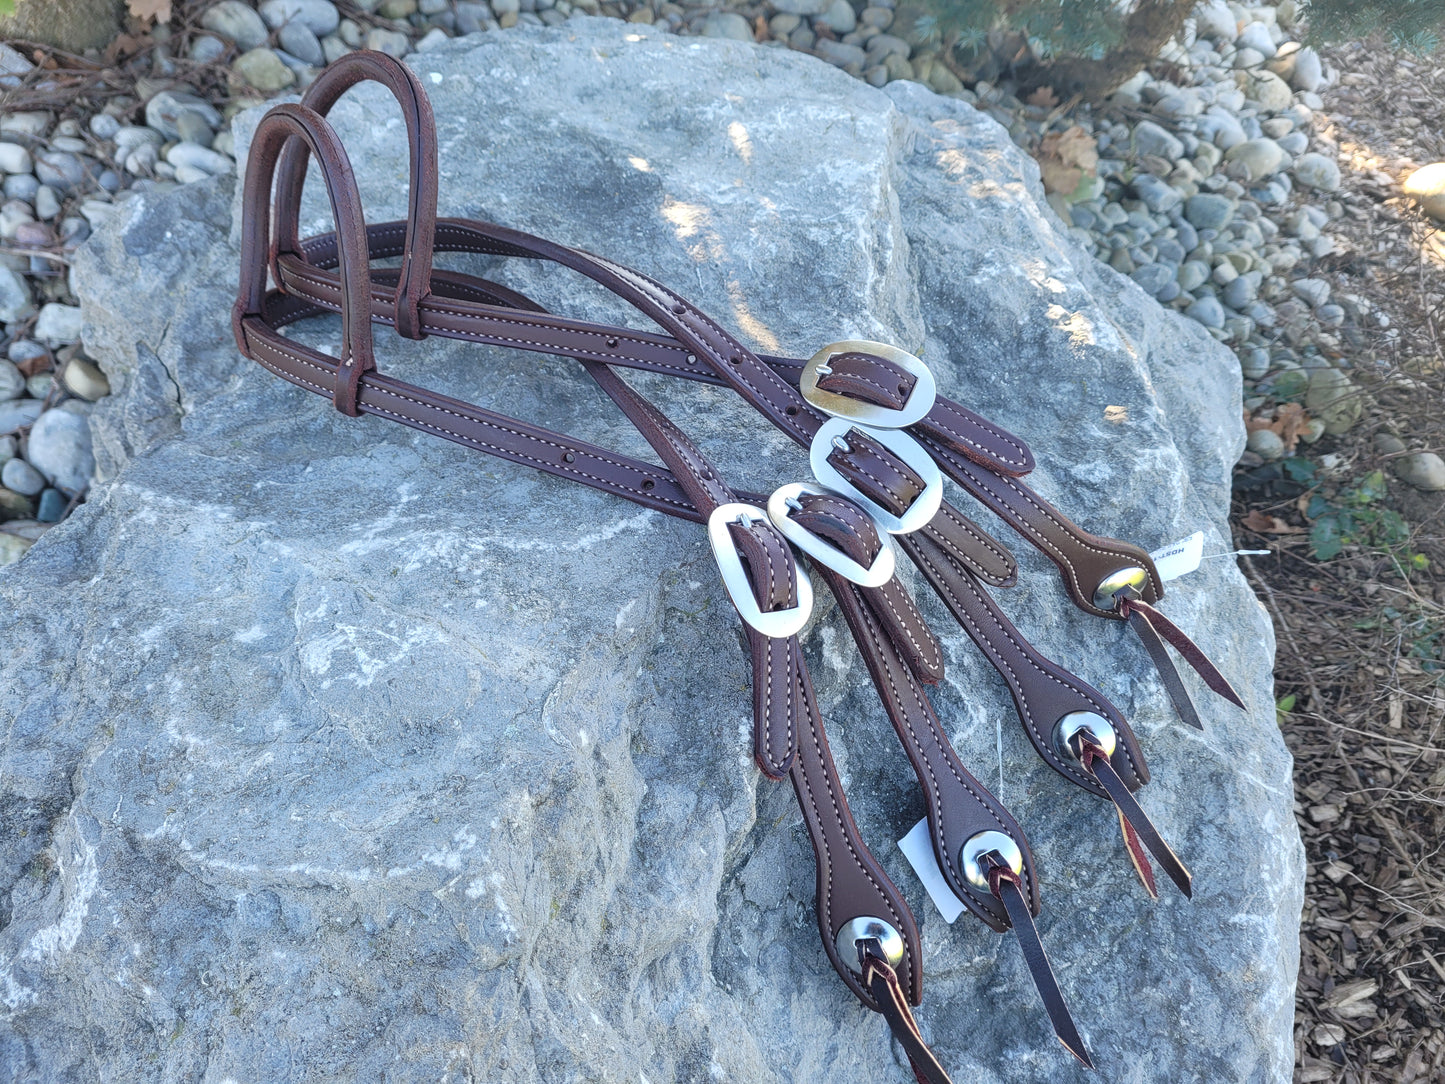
{"points": [[337, 751]]}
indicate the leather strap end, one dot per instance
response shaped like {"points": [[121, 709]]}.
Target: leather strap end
{"points": [[1004, 883], [1143, 830], [346, 396], [882, 982]]}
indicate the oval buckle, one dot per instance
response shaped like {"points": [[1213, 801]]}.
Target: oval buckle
{"points": [[773, 623], [924, 507], [822, 551], [919, 402]]}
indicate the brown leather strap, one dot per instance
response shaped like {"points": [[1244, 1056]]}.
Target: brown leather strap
{"points": [[1132, 813], [277, 127], [851, 882], [1043, 692], [463, 308], [958, 806], [1004, 883], [1132, 607], [414, 275], [882, 981]]}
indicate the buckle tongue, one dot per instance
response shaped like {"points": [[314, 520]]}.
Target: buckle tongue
{"points": [[773, 623], [920, 400]]}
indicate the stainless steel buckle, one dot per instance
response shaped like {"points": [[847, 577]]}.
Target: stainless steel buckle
{"points": [[774, 623], [923, 508], [920, 400], [822, 551]]}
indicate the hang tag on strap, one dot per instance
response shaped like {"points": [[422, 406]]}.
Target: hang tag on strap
{"points": [[1181, 558], [917, 847]]}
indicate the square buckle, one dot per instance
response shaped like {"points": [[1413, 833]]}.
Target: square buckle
{"points": [[920, 400]]}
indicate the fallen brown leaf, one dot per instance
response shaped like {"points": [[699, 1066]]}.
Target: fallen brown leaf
{"points": [[1043, 97], [1266, 524], [150, 10]]}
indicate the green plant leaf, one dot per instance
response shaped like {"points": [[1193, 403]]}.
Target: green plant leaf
{"points": [[1325, 538], [1298, 468]]}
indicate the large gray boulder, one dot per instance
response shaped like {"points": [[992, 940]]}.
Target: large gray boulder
{"points": [[336, 752]]}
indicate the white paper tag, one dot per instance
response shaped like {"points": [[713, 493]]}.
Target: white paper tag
{"points": [[1181, 558], [918, 849]]}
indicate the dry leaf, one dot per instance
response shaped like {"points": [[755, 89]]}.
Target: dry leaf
{"points": [[30, 366], [1263, 524], [1290, 421], [1044, 97], [1065, 158], [148, 10]]}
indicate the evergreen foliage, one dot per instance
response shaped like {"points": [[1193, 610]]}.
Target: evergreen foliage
{"points": [[1410, 24]]}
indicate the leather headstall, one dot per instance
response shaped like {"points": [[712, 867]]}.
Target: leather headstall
{"points": [[881, 440]]}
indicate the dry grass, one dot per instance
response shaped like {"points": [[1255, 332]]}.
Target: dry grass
{"points": [[1362, 636]]}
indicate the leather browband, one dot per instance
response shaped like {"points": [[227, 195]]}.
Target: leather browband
{"points": [[867, 930]]}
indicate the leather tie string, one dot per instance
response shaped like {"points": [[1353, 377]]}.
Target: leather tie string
{"points": [[1137, 826], [1004, 883], [1153, 628], [882, 982]]}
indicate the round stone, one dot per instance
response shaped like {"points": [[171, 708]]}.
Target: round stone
{"points": [[236, 22], [1308, 72], [1209, 211], [298, 40], [727, 24], [1157, 195], [839, 17], [16, 300], [1318, 172], [1266, 444], [52, 506], [12, 384], [318, 16], [84, 378], [1193, 274], [266, 71], [1423, 470], [165, 110], [1314, 292], [1150, 138], [1256, 36], [22, 478], [1153, 277], [60, 449], [210, 162], [1208, 311], [1260, 158], [391, 42], [58, 324], [1271, 92], [1254, 363], [1426, 186], [15, 159], [204, 49], [61, 170]]}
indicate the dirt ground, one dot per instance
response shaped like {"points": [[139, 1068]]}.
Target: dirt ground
{"points": [[1361, 663]]}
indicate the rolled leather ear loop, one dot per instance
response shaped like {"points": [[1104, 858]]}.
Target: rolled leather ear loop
{"points": [[279, 126], [414, 280]]}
